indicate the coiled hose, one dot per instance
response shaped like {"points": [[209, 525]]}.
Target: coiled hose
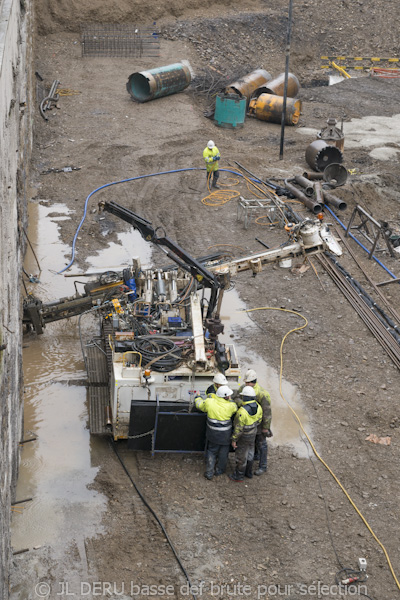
{"points": [[159, 352]]}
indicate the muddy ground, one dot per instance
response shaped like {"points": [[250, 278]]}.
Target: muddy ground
{"points": [[283, 529]]}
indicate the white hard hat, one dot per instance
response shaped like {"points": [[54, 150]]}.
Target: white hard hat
{"points": [[210, 144], [250, 375], [220, 379], [224, 391], [248, 391]]}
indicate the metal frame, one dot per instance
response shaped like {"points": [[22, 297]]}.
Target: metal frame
{"points": [[377, 230], [154, 436], [253, 204]]}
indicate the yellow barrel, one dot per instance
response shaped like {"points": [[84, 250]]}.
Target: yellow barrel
{"points": [[276, 86], [268, 107], [246, 85]]}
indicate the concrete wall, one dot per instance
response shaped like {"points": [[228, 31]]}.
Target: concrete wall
{"points": [[15, 146]]}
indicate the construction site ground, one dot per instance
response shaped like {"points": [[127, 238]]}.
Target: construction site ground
{"points": [[283, 530]]}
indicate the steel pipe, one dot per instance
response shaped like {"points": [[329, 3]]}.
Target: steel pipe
{"points": [[306, 184], [277, 85], [333, 201], [268, 107], [311, 204], [147, 85], [313, 176]]}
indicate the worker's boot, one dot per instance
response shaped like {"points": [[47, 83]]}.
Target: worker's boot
{"points": [[249, 469], [260, 471], [237, 476]]}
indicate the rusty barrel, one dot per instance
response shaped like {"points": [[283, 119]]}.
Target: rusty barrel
{"points": [[277, 85], [319, 155], [246, 85], [268, 107], [163, 81]]}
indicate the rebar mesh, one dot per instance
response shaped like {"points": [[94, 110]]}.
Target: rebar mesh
{"points": [[120, 40]]}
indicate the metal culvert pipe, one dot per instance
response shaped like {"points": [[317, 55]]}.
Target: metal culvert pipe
{"points": [[319, 155], [311, 204], [333, 201], [268, 107], [246, 85], [276, 86], [163, 81], [306, 184]]}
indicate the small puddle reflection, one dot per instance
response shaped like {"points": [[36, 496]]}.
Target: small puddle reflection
{"points": [[284, 425]]}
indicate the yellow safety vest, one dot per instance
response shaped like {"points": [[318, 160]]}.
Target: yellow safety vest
{"points": [[208, 155]]}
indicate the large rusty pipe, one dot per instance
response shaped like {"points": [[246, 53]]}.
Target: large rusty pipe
{"points": [[268, 107], [306, 184], [163, 81], [311, 204], [333, 201], [277, 86], [246, 85]]}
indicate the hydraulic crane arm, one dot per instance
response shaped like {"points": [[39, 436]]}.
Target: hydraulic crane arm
{"points": [[170, 248]]}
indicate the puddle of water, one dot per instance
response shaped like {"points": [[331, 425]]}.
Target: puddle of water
{"points": [[284, 426], [132, 246]]}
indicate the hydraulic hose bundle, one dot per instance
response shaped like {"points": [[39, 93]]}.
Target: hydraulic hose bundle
{"points": [[158, 352]]}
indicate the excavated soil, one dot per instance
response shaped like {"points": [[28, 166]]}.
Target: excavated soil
{"points": [[283, 529]]}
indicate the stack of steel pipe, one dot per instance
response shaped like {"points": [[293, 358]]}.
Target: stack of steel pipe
{"points": [[267, 101], [314, 197], [378, 325]]}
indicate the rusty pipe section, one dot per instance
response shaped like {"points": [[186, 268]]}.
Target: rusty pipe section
{"points": [[277, 85], [268, 107], [163, 81], [306, 184], [246, 85], [313, 176], [333, 201], [318, 192], [311, 204]]}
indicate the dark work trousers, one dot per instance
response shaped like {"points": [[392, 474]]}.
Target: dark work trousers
{"points": [[262, 450], [244, 452], [216, 458], [213, 178]]}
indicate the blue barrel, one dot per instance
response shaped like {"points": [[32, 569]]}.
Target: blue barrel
{"points": [[155, 83], [230, 110]]}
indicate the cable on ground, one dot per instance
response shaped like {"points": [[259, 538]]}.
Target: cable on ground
{"points": [[309, 439]]}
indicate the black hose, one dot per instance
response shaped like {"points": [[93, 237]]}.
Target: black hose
{"points": [[157, 518], [160, 351]]}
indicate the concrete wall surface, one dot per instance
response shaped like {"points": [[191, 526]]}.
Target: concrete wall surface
{"points": [[15, 146]]}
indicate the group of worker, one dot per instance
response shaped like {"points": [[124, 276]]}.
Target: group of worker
{"points": [[250, 407]]}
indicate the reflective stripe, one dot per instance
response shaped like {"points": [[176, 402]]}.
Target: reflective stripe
{"points": [[250, 427], [217, 421], [224, 428]]}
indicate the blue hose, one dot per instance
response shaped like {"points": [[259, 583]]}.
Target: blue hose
{"points": [[360, 244], [125, 181]]}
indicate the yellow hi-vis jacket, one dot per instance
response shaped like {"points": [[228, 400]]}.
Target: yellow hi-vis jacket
{"points": [[219, 417], [208, 155], [264, 400], [246, 423]]}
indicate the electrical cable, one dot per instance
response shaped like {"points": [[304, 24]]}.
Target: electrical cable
{"points": [[106, 185], [309, 439], [157, 518], [157, 351], [219, 197]]}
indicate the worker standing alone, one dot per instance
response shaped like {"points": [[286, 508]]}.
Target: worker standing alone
{"points": [[220, 410], [247, 418], [211, 156]]}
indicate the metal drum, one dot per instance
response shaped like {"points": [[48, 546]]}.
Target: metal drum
{"points": [[268, 107], [148, 85], [276, 86], [246, 85], [230, 110]]}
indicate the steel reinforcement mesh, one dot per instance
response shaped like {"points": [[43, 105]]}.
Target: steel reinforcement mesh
{"points": [[120, 40]]}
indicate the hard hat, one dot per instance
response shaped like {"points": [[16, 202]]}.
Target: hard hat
{"points": [[248, 391], [210, 144], [250, 375], [224, 391], [220, 379]]}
